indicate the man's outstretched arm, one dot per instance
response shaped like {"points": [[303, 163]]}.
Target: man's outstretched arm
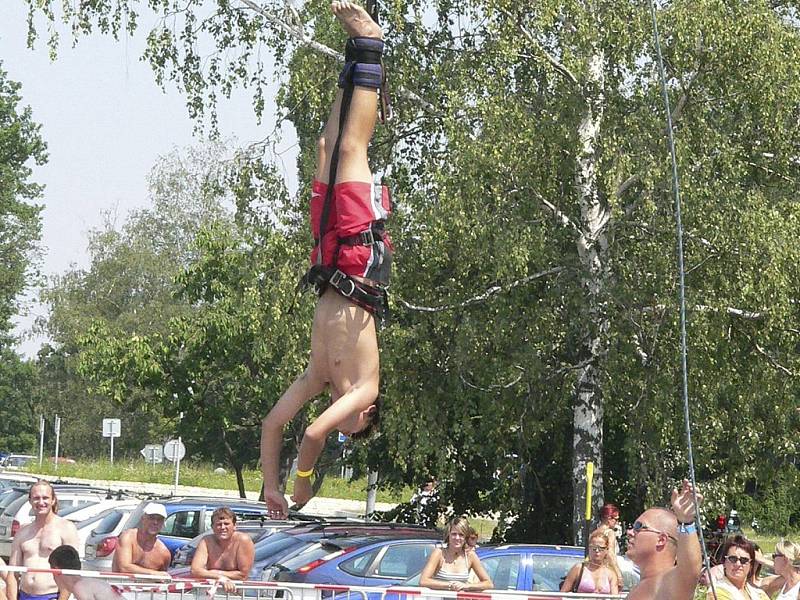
{"points": [[682, 580]]}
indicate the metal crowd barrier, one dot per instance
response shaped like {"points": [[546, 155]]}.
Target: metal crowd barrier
{"points": [[151, 587]]}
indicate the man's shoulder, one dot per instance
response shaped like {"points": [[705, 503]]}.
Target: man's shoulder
{"points": [[243, 538], [62, 523]]}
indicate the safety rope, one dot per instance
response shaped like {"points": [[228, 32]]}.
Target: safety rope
{"points": [[682, 292]]}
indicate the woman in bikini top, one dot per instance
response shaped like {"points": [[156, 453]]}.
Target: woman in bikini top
{"points": [[448, 567]]}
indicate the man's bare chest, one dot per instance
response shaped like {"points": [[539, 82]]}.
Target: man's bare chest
{"points": [[42, 543]]}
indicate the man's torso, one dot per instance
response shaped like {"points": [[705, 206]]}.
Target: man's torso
{"points": [[150, 554], [36, 544], [223, 558]]}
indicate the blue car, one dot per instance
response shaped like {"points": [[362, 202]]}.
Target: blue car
{"points": [[371, 560], [534, 567], [520, 567], [187, 517]]}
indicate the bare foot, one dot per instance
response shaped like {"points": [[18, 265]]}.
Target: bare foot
{"points": [[355, 20]]}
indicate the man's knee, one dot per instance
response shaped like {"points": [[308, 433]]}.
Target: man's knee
{"points": [[322, 150], [352, 148]]}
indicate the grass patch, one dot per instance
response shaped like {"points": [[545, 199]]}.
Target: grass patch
{"points": [[202, 475]]}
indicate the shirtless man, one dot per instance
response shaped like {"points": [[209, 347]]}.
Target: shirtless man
{"points": [[82, 588], [227, 554], [34, 543], [665, 546], [140, 551], [355, 248]]}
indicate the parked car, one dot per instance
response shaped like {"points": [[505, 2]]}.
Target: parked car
{"points": [[16, 461], [98, 550], [82, 512], [17, 511], [289, 543], [12, 479], [532, 567], [88, 526], [357, 560]]}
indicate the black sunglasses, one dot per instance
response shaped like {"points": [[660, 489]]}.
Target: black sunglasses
{"points": [[743, 560]]}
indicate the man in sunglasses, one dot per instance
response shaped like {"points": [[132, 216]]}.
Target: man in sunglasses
{"points": [[665, 546]]}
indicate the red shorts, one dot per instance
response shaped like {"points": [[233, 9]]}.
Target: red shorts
{"points": [[354, 209]]}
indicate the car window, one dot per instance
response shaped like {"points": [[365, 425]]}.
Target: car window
{"points": [[550, 570], [14, 507], [8, 499], [309, 555], [276, 543], [109, 522], [358, 564], [503, 570], [183, 524], [403, 560]]}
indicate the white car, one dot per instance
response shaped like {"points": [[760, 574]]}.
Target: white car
{"points": [[16, 461], [102, 541], [81, 512], [88, 526], [17, 511]]}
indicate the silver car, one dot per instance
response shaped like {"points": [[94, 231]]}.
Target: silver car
{"points": [[102, 541]]}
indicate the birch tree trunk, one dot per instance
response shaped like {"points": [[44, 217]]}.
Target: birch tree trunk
{"points": [[592, 252]]}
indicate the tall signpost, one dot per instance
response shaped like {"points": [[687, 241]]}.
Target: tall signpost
{"points": [[57, 428], [112, 429], [41, 439], [174, 450]]}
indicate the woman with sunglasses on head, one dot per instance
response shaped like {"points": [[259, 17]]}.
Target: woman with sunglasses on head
{"points": [[449, 568], [786, 565], [739, 557], [595, 574]]}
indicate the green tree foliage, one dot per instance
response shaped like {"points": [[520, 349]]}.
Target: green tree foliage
{"points": [[17, 389], [20, 223], [129, 288], [536, 322]]}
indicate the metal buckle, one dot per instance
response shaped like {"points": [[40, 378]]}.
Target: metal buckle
{"points": [[367, 237], [337, 278]]}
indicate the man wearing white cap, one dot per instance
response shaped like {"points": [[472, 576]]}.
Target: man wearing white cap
{"points": [[140, 551]]}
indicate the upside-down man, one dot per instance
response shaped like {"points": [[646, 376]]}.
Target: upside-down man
{"points": [[351, 263]]}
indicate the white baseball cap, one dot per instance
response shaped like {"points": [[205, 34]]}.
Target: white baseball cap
{"points": [[154, 508]]}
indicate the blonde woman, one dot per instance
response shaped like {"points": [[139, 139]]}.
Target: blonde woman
{"points": [[594, 575], [609, 520], [787, 568], [448, 568]]}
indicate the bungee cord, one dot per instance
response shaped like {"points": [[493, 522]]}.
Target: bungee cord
{"points": [[681, 291]]}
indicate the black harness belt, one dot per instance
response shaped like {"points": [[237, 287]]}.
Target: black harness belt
{"points": [[371, 298]]}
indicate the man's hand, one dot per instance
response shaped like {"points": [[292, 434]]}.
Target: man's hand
{"points": [[277, 507], [227, 584], [683, 503], [302, 490]]}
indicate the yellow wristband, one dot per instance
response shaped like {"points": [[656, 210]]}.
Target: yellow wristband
{"points": [[308, 473]]}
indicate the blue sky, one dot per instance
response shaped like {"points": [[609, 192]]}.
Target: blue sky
{"points": [[105, 122]]}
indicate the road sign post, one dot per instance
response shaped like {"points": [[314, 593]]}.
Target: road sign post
{"points": [[112, 429], [41, 439], [57, 428], [174, 450]]}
